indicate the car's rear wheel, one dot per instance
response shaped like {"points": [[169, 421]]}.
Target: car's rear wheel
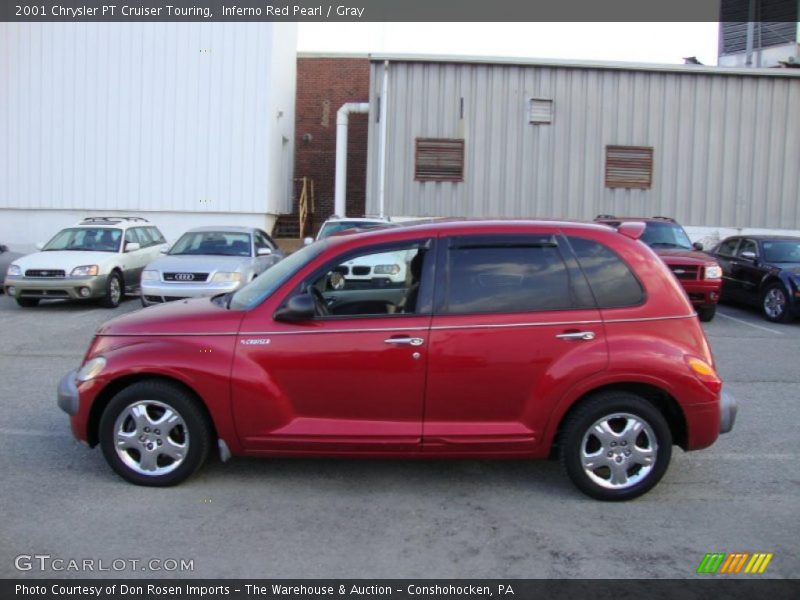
{"points": [[114, 291], [706, 313], [153, 433], [616, 446], [775, 303], [28, 302]]}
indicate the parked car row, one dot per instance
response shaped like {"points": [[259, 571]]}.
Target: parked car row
{"points": [[104, 258]]}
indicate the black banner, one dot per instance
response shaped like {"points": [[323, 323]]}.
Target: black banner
{"points": [[399, 589], [379, 10]]}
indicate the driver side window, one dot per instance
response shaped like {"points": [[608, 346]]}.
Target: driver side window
{"points": [[373, 283]]}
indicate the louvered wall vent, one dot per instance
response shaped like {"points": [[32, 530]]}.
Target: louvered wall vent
{"points": [[540, 110], [439, 159], [629, 167]]}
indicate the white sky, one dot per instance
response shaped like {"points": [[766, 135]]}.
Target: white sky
{"points": [[633, 42]]}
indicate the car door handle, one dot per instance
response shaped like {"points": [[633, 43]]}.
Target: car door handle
{"points": [[404, 341], [576, 335]]}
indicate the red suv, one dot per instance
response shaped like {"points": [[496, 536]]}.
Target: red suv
{"points": [[699, 274], [505, 340]]}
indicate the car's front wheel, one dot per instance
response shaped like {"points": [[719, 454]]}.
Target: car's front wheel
{"points": [[28, 302], [153, 433], [616, 446], [775, 303], [706, 313], [114, 291]]}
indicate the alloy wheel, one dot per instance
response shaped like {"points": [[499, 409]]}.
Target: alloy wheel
{"points": [[618, 451], [151, 438]]}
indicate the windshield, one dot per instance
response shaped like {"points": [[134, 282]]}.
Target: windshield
{"points": [[93, 239], [263, 286], [666, 235], [218, 243], [328, 229], [781, 251]]}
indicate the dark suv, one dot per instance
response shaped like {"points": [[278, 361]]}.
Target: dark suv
{"points": [[699, 274]]}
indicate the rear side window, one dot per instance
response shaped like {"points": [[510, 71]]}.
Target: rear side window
{"points": [[727, 247], [613, 283], [506, 277]]}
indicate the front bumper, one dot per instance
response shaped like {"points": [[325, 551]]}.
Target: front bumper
{"points": [[57, 287], [68, 397], [702, 292], [155, 292], [728, 408]]}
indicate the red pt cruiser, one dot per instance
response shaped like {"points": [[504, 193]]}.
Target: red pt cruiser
{"points": [[506, 340]]}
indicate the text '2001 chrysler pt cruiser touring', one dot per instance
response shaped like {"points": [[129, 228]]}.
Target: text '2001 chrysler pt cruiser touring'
{"points": [[506, 340]]}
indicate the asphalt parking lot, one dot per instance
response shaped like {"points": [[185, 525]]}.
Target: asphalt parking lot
{"points": [[359, 518]]}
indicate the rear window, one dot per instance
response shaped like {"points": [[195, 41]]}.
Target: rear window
{"points": [[507, 277], [613, 283]]}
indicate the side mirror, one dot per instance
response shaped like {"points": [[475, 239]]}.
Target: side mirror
{"points": [[747, 255], [39, 245], [164, 249], [698, 246], [263, 252], [307, 241], [132, 246], [298, 308]]}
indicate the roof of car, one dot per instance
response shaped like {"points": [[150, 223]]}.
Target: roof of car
{"points": [[357, 220], [606, 218], [765, 237], [223, 229], [112, 221], [464, 225]]}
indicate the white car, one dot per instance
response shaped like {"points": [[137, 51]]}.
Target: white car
{"points": [[377, 269], [98, 258]]}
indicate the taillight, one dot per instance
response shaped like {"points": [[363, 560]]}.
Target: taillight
{"points": [[705, 373]]}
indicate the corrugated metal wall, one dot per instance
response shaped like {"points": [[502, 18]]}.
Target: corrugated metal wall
{"points": [[152, 117], [726, 147]]}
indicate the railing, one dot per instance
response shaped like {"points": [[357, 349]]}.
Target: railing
{"points": [[305, 205]]}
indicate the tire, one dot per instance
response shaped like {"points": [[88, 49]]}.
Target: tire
{"points": [[706, 313], [115, 291], [775, 303], [638, 460], [152, 455], [28, 302]]}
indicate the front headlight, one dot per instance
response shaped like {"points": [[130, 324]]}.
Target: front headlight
{"points": [[226, 277], [91, 369], [386, 269], [14, 271], [149, 275], [84, 271], [714, 272]]}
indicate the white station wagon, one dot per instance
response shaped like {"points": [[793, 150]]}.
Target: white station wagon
{"points": [[98, 258]]}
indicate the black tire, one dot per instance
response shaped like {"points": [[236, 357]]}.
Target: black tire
{"points": [[28, 302], [775, 303], [193, 431], [576, 436], [706, 313], [111, 298]]}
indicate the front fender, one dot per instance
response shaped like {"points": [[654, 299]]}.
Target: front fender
{"points": [[200, 363]]}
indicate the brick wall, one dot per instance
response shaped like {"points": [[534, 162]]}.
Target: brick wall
{"points": [[323, 85]]}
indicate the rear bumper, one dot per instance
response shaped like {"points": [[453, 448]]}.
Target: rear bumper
{"points": [[57, 287], [728, 408]]}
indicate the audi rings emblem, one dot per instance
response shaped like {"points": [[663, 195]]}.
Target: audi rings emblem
{"points": [[184, 276]]}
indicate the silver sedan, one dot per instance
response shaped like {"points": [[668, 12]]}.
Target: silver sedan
{"points": [[207, 261]]}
